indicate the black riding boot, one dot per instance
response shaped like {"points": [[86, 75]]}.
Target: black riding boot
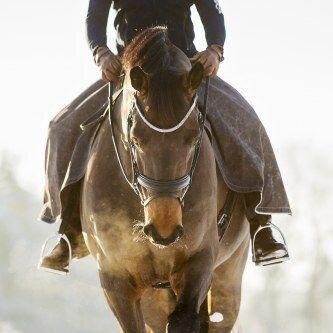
{"points": [[72, 246], [266, 249]]}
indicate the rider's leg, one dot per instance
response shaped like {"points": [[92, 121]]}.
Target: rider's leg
{"points": [[59, 257], [266, 248], [64, 133]]}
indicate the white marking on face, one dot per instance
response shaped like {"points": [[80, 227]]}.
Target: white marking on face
{"points": [[216, 317]]}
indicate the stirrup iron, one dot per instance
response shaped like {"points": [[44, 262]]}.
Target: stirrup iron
{"points": [[58, 237], [271, 260]]}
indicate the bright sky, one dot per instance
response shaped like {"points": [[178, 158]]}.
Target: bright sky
{"points": [[278, 55]]}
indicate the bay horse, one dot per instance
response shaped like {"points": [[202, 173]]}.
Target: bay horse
{"points": [[150, 200]]}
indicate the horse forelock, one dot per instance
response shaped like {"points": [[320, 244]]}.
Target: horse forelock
{"points": [[149, 50], [165, 66]]}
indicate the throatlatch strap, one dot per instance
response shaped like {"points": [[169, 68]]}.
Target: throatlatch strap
{"points": [[225, 214]]}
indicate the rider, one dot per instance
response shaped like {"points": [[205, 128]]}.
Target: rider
{"points": [[132, 16]]}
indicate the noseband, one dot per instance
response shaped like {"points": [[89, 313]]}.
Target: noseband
{"points": [[158, 188]]}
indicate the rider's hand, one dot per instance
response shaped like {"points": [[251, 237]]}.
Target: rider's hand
{"points": [[108, 63], [210, 59]]}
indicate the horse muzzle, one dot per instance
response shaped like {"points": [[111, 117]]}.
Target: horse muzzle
{"points": [[164, 220]]}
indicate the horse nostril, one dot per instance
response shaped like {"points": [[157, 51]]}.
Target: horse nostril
{"points": [[179, 232], [151, 232], [148, 230]]}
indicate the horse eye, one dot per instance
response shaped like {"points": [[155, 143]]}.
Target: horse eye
{"points": [[136, 141], [192, 138]]}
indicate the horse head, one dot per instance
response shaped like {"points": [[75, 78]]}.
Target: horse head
{"points": [[161, 129]]}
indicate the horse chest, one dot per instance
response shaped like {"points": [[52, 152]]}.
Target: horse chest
{"points": [[121, 250]]}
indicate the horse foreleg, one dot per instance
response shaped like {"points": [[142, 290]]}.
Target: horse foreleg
{"points": [[157, 304], [124, 302], [226, 291], [191, 286]]}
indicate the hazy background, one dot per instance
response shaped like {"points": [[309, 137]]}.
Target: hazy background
{"points": [[278, 55]]}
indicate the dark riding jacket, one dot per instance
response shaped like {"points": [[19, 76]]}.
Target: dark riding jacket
{"points": [[133, 16]]}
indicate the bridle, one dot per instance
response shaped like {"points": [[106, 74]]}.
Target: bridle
{"points": [[158, 188]]}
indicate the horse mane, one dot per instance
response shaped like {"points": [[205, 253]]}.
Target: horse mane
{"points": [[154, 53]]}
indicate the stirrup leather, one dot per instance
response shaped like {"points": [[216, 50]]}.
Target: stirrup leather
{"points": [[272, 260], [57, 237]]}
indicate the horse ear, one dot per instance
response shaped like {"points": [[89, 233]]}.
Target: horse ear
{"points": [[138, 78], [195, 76]]}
